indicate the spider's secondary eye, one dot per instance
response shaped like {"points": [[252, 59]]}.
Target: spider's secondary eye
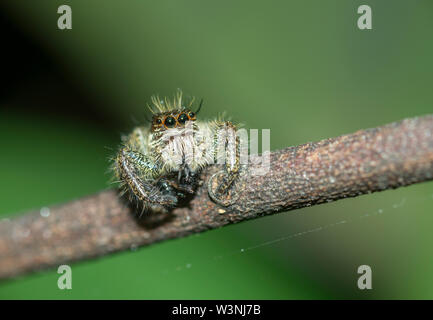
{"points": [[158, 121], [191, 114], [170, 122], [182, 118]]}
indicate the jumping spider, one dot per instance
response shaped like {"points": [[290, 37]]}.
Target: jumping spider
{"points": [[158, 165]]}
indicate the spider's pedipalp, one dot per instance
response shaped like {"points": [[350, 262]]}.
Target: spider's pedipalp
{"points": [[133, 168]]}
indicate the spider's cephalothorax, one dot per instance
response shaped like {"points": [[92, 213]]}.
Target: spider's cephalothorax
{"points": [[159, 164]]}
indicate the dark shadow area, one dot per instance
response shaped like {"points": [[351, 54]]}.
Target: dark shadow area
{"points": [[34, 82], [152, 220], [144, 217]]}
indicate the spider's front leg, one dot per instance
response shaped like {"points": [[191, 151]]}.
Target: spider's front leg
{"points": [[227, 147], [140, 176]]}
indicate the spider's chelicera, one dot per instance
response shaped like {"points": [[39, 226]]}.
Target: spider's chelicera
{"points": [[158, 165]]}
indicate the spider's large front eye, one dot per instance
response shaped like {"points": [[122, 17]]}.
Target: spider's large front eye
{"points": [[170, 122], [182, 118]]}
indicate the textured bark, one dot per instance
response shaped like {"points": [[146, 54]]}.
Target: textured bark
{"points": [[386, 157]]}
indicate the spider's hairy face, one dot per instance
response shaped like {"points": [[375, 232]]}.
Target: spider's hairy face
{"points": [[177, 139], [172, 119]]}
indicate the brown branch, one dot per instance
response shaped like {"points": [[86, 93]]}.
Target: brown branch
{"points": [[387, 157]]}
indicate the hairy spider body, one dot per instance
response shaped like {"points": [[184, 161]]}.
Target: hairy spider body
{"points": [[160, 164]]}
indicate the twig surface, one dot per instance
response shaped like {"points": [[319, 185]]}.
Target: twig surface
{"points": [[366, 161]]}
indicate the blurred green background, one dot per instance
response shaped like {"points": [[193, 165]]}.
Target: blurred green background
{"points": [[301, 68]]}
